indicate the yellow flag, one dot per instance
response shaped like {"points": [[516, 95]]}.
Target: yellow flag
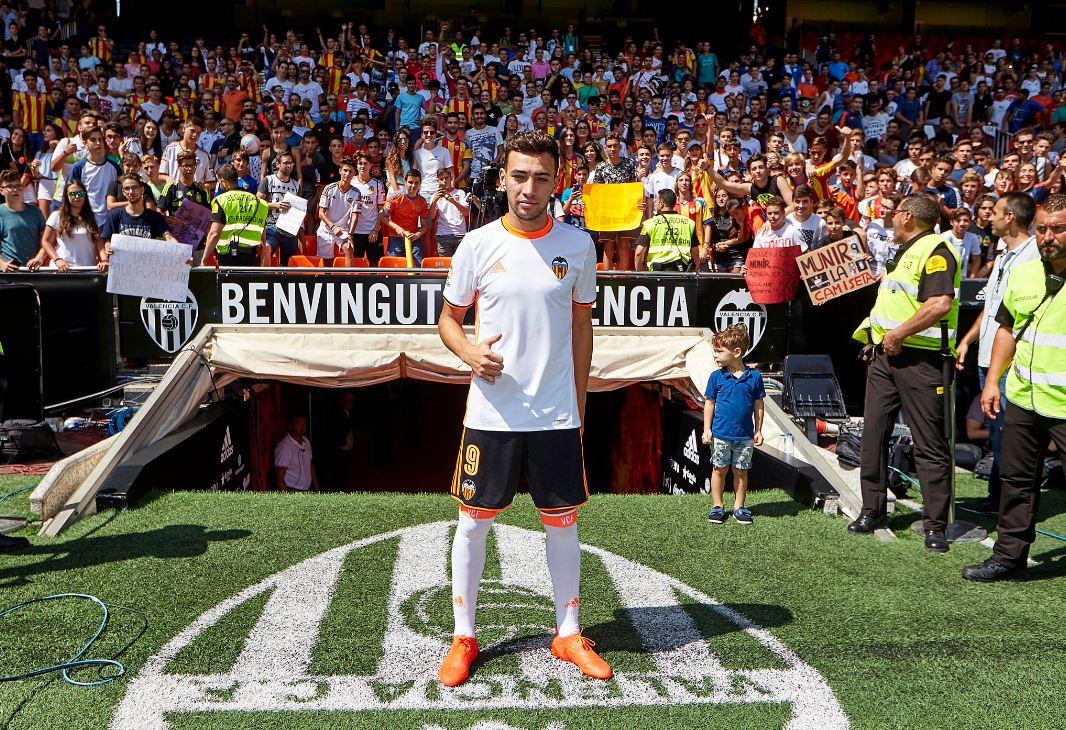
{"points": [[612, 207]]}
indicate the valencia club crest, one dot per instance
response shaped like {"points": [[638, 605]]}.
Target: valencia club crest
{"points": [[560, 267]]}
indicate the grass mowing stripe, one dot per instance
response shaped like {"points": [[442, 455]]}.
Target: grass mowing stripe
{"points": [[687, 717], [605, 621], [350, 639], [215, 651], [734, 647]]}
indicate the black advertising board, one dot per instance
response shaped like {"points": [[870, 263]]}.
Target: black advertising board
{"points": [[154, 329], [20, 353], [77, 324]]}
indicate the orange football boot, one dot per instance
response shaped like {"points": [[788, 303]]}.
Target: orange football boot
{"points": [[456, 667], [577, 649]]}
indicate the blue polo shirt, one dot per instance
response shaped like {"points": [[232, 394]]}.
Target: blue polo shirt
{"points": [[734, 403]]}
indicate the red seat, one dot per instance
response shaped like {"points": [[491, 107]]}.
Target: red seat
{"points": [[352, 262], [305, 261], [601, 266], [393, 262], [437, 262], [310, 244]]}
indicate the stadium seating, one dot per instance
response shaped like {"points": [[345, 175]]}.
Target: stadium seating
{"points": [[437, 262], [393, 262], [601, 266], [305, 261], [352, 262]]}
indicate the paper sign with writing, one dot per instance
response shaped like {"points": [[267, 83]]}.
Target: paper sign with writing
{"points": [[835, 269], [612, 207], [292, 220], [771, 274], [193, 222], [144, 267]]}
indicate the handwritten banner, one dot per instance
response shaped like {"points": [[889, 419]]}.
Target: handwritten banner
{"points": [[612, 207], [835, 270], [143, 267], [193, 222], [771, 274]]}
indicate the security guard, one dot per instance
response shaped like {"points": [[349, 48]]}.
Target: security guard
{"points": [[917, 307], [1032, 333], [238, 221], [667, 240]]}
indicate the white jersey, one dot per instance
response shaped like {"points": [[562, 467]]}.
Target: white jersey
{"points": [[371, 198], [786, 235], [525, 286]]}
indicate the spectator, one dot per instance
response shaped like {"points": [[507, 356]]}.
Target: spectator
{"points": [[21, 226], [135, 218], [293, 469], [406, 215], [966, 243], [96, 173], [449, 212], [366, 230], [777, 232], [273, 191], [71, 236], [338, 202]]}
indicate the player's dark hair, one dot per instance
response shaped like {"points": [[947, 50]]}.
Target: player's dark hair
{"points": [[534, 142]]}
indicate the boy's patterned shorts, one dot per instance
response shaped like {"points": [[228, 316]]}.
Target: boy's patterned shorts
{"points": [[732, 453]]}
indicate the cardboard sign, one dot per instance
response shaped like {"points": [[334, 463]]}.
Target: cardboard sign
{"points": [[835, 269], [771, 274], [193, 222], [144, 267], [610, 207]]}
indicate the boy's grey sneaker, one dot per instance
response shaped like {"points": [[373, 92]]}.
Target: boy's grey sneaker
{"points": [[743, 516], [716, 516]]}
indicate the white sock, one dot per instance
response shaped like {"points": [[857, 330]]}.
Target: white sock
{"points": [[564, 564], [468, 562]]}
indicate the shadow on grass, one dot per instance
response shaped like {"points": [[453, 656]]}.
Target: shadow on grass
{"points": [[783, 508], [172, 541], [671, 631]]}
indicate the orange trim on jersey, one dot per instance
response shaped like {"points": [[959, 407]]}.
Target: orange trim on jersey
{"points": [[540, 233], [564, 520], [590, 305], [478, 513]]}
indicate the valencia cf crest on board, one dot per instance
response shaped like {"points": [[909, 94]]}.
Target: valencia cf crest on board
{"points": [[559, 267], [468, 489], [169, 324]]}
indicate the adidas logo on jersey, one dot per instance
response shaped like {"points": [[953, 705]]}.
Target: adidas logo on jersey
{"points": [[498, 268], [691, 451]]}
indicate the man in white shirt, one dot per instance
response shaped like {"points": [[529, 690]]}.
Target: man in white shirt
{"points": [[190, 136], [535, 284], [293, 470], [880, 241], [485, 141], [810, 225], [665, 175], [309, 90], [777, 232], [430, 157], [1011, 219], [525, 121]]}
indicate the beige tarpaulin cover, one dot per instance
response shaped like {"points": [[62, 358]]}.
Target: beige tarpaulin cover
{"points": [[345, 357]]}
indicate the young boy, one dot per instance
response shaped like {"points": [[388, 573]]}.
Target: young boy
{"points": [[964, 240], [449, 211], [406, 215], [732, 420]]}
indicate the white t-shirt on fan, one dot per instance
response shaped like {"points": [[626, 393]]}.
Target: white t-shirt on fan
{"points": [[525, 286], [76, 247], [786, 235]]}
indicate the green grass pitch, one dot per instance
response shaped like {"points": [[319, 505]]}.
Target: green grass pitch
{"points": [[895, 633]]}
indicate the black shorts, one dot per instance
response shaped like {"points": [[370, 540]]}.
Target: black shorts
{"points": [[491, 464]]}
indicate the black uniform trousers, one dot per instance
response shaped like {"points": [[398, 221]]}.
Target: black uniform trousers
{"points": [[1025, 438], [913, 379]]}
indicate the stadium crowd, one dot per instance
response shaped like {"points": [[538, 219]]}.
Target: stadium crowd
{"points": [[390, 138]]}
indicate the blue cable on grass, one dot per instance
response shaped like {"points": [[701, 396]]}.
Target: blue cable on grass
{"points": [[75, 661], [18, 491], [910, 480]]}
